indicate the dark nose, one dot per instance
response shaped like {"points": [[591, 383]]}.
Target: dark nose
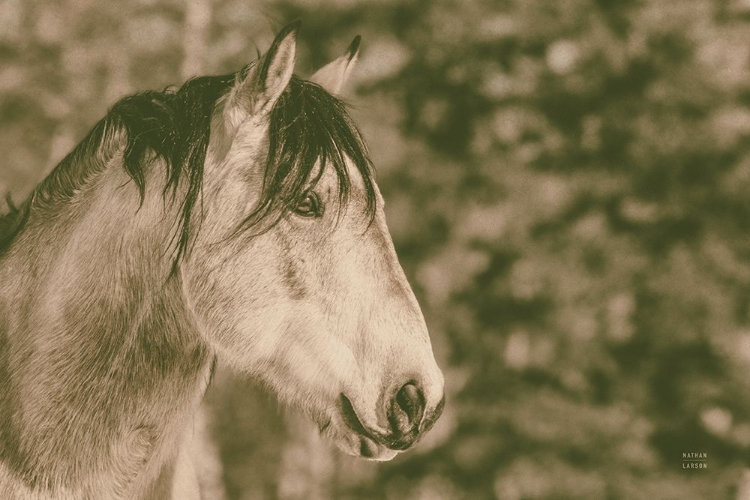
{"points": [[405, 412]]}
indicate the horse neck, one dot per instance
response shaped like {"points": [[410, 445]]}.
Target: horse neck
{"points": [[99, 355]]}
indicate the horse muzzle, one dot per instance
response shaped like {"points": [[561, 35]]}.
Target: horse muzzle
{"points": [[407, 414]]}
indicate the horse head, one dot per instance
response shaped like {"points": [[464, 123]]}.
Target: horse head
{"points": [[293, 277]]}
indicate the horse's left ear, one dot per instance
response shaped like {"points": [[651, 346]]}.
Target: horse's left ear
{"points": [[277, 66], [265, 82], [333, 75]]}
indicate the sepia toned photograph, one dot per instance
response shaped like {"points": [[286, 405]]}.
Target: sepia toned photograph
{"points": [[374, 249]]}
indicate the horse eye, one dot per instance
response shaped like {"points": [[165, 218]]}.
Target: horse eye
{"points": [[310, 206]]}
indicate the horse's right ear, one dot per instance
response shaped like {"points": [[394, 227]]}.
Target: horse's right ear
{"points": [[259, 90], [333, 75]]}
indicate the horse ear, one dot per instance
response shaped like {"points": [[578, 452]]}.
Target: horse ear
{"points": [[333, 75], [260, 89]]}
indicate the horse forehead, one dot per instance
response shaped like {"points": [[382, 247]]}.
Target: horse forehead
{"points": [[329, 179]]}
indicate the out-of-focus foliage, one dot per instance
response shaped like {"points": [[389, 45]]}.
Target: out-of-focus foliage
{"points": [[568, 187]]}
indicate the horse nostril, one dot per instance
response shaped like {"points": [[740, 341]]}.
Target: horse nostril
{"points": [[409, 400], [406, 410]]}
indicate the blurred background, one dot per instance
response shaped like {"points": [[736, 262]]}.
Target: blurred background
{"points": [[568, 188]]}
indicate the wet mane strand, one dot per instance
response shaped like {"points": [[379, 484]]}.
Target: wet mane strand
{"points": [[307, 124]]}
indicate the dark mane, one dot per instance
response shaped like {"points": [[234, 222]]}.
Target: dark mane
{"points": [[172, 125], [307, 124]]}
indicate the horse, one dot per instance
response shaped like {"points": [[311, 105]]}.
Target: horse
{"points": [[237, 218]]}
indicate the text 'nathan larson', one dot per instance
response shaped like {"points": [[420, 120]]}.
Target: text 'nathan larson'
{"points": [[695, 460]]}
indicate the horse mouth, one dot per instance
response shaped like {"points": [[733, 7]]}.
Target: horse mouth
{"points": [[352, 420], [369, 447]]}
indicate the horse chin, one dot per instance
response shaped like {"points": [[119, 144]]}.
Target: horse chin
{"points": [[364, 447], [353, 443]]}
